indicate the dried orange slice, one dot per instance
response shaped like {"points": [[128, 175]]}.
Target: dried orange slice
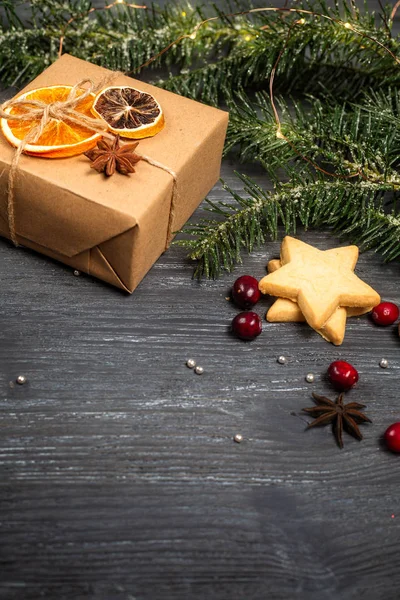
{"points": [[59, 138], [129, 112]]}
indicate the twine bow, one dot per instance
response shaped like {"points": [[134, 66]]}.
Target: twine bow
{"points": [[36, 110]]}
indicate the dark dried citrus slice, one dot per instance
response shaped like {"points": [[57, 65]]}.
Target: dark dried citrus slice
{"points": [[129, 112]]}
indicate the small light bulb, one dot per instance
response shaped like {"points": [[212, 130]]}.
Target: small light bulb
{"points": [[348, 26], [183, 14], [192, 36], [301, 21], [280, 135], [247, 38]]}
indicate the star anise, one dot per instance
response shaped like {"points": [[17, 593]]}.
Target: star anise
{"points": [[339, 414], [109, 157]]}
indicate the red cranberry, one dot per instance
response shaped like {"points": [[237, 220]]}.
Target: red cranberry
{"points": [[342, 374], [392, 437], [386, 313], [247, 325], [245, 292]]}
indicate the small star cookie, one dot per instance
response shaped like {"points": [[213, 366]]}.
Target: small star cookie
{"points": [[319, 281], [288, 311]]}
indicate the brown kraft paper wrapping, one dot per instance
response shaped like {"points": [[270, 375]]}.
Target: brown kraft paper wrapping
{"points": [[114, 228]]}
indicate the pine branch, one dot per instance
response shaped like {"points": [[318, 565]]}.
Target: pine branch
{"points": [[355, 211], [120, 39], [228, 52], [316, 51], [344, 138]]}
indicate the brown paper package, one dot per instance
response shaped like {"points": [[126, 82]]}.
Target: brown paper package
{"points": [[114, 228]]}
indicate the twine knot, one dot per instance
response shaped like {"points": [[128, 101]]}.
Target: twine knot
{"points": [[60, 110], [57, 110]]}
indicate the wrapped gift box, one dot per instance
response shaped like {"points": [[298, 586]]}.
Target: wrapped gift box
{"points": [[114, 228]]}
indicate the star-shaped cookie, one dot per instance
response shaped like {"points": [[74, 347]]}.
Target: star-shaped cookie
{"points": [[319, 281], [288, 311]]}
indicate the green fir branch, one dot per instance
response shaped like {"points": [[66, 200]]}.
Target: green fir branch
{"points": [[342, 137], [355, 212], [315, 51], [226, 53]]}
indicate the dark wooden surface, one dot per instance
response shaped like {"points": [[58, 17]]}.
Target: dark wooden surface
{"points": [[120, 479]]}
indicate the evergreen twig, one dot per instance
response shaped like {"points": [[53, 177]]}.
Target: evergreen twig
{"points": [[356, 212], [226, 53]]}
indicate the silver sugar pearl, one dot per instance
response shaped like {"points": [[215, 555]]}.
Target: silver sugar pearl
{"points": [[190, 363], [383, 363], [282, 360], [310, 377], [21, 379], [199, 370], [77, 273], [238, 438]]}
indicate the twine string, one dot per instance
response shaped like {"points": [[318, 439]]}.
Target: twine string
{"points": [[39, 111], [174, 196]]}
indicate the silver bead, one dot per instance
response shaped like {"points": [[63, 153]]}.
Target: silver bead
{"points": [[238, 438], [310, 377], [199, 370], [190, 363], [77, 273], [282, 360], [21, 379], [383, 363]]}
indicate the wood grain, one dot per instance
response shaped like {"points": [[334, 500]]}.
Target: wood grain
{"points": [[119, 475]]}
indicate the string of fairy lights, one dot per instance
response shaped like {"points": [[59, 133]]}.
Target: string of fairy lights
{"points": [[283, 10], [394, 10]]}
